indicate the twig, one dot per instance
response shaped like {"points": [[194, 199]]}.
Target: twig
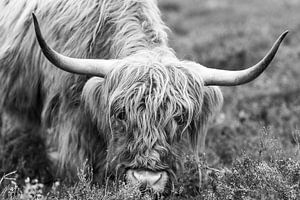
{"points": [[5, 177]]}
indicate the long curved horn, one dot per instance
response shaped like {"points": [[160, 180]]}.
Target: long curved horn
{"points": [[94, 67], [232, 78]]}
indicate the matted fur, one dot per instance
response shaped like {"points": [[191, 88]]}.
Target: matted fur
{"points": [[139, 115]]}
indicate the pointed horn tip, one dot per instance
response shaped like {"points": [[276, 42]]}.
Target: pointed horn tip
{"points": [[35, 21], [33, 16], [282, 36]]}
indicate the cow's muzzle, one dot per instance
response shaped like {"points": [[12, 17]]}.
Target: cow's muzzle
{"points": [[156, 181]]}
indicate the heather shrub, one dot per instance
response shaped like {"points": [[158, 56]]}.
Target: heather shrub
{"points": [[252, 148]]}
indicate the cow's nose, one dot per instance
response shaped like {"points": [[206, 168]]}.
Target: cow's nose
{"points": [[150, 178], [153, 180]]}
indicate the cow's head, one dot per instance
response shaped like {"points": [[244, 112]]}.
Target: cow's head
{"points": [[151, 106]]}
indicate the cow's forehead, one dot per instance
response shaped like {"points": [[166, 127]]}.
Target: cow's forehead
{"points": [[156, 73], [166, 88], [145, 68]]}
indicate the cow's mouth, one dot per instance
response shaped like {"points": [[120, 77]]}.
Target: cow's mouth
{"points": [[148, 180]]}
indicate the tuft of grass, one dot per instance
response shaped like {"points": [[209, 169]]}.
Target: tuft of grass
{"points": [[250, 177], [258, 179]]}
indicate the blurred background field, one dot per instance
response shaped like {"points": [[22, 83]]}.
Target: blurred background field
{"points": [[235, 34], [255, 139]]}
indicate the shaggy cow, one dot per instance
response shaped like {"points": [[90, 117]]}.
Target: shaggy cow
{"points": [[118, 97]]}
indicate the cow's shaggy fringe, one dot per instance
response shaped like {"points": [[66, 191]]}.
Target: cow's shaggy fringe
{"points": [[159, 100], [35, 95]]}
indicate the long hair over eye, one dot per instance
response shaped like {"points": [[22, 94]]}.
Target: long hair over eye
{"points": [[121, 115], [180, 120]]}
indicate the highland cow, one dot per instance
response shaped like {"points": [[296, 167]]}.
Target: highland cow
{"points": [[115, 94]]}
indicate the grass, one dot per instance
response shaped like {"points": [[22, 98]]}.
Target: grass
{"points": [[253, 146], [267, 174]]}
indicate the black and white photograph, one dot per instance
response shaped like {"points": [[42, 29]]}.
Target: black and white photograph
{"points": [[149, 99]]}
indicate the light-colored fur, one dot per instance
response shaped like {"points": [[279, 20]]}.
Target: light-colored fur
{"points": [[162, 98]]}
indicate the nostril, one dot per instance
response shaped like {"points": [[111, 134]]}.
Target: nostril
{"points": [[139, 176], [134, 176], [159, 178]]}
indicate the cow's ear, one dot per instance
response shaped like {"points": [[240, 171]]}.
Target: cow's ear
{"points": [[91, 95], [211, 105]]}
